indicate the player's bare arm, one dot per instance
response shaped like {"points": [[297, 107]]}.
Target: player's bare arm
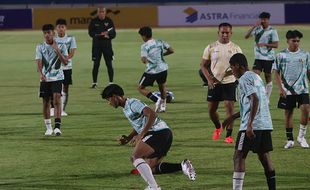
{"points": [[150, 115], [71, 53], [230, 119], [62, 58], [254, 107], [125, 139], [279, 83], [39, 64], [271, 45], [248, 34], [204, 65], [168, 51], [144, 60]]}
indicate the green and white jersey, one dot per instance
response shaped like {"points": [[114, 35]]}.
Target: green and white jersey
{"points": [[250, 83], [70, 43], [153, 50], [133, 110], [264, 36], [51, 64], [293, 67]]}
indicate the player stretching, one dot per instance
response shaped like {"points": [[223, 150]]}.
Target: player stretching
{"points": [[255, 125], [49, 57], [152, 52], [153, 138], [292, 70]]}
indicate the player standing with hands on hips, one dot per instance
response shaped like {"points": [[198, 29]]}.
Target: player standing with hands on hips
{"points": [[101, 29]]}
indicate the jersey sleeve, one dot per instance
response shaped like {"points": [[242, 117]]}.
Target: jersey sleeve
{"points": [[63, 49], [207, 53], [38, 53], [247, 85], [308, 61], [275, 36], [165, 45], [239, 50], [73, 43], [276, 64], [143, 51], [137, 106]]}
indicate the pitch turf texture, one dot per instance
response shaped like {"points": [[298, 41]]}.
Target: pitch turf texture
{"points": [[87, 155]]}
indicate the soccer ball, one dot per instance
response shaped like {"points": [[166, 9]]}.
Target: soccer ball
{"points": [[169, 98]]}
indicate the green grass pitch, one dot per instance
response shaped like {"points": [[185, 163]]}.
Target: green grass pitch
{"points": [[87, 155]]}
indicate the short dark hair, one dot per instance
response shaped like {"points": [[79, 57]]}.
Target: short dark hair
{"points": [[61, 21], [293, 34], [146, 31], [239, 59], [225, 24], [112, 89], [264, 15], [47, 27]]}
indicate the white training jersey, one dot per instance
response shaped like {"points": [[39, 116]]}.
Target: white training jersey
{"points": [[51, 64], [70, 43]]}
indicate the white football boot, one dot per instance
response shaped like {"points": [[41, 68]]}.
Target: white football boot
{"points": [[158, 105], [57, 132], [188, 169], [303, 143], [289, 144]]}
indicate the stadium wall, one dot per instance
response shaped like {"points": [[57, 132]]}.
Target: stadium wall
{"points": [[157, 16]]}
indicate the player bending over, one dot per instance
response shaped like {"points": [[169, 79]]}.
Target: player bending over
{"points": [[153, 138]]}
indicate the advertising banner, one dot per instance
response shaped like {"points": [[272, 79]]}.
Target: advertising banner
{"points": [[236, 14], [297, 13], [15, 19], [79, 18]]}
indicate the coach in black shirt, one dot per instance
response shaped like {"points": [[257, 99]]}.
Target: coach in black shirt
{"points": [[102, 30]]}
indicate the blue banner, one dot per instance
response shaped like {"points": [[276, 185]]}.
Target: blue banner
{"points": [[297, 13], [15, 19]]}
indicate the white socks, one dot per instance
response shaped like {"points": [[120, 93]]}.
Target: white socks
{"points": [[145, 172], [64, 100], [48, 124], [302, 131], [268, 89], [238, 178]]}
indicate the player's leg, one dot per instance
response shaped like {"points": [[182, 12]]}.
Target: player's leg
{"points": [[289, 128], [108, 58], [214, 116], [268, 78], [242, 148], [161, 79], [96, 57], [257, 66], [304, 109], [45, 94], [147, 80], [65, 90], [269, 170], [262, 148], [56, 90], [229, 95], [141, 151], [288, 103]]}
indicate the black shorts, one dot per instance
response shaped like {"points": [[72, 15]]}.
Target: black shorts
{"points": [[263, 65], [222, 92], [68, 77], [261, 143], [160, 141], [47, 89], [289, 102], [148, 79]]}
